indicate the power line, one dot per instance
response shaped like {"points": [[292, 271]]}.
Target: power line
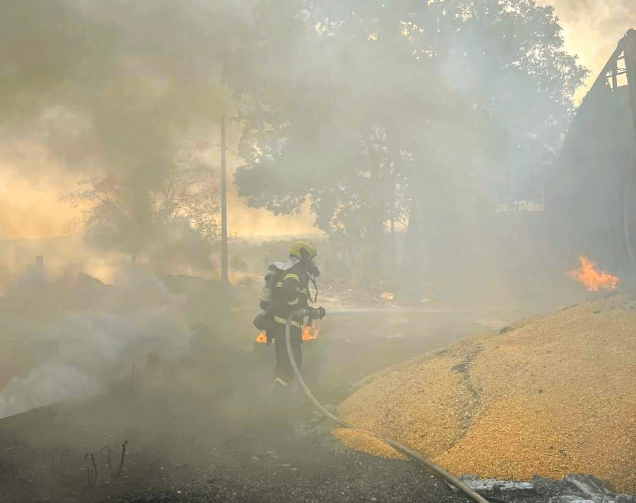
{"points": [[211, 144]]}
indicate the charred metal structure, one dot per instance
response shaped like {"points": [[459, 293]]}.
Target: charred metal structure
{"points": [[591, 200]]}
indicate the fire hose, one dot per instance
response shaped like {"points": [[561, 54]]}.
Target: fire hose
{"points": [[397, 446]]}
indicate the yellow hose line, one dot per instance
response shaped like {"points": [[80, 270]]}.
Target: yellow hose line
{"points": [[397, 446]]}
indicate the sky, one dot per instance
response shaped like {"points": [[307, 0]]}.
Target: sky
{"points": [[592, 29], [31, 206]]}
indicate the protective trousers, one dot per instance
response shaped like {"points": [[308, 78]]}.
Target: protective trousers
{"points": [[283, 367]]}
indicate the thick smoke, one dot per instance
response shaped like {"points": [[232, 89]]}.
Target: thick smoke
{"points": [[86, 337], [95, 87], [114, 84]]}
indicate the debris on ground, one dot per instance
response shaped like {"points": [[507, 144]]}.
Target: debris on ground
{"points": [[572, 489], [552, 395], [348, 294]]}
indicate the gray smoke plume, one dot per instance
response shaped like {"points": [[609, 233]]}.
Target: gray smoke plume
{"points": [[84, 349], [113, 84]]}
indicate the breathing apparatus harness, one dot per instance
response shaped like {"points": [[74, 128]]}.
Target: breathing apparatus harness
{"points": [[264, 320]]}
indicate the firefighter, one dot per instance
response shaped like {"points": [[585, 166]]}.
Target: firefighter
{"points": [[291, 293]]}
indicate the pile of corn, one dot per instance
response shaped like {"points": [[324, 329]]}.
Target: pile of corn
{"points": [[551, 396]]}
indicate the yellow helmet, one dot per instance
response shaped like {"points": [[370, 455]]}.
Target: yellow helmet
{"points": [[303, 245]]}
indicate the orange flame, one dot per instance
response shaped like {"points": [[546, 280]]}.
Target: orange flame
{"points": [[309, 333], [593, 279]]}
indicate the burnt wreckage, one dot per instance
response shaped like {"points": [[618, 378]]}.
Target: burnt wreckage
{"points": [[591, 200], [587, 204]]}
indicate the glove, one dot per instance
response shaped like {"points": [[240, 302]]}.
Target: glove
{"points": [[317, 313]]}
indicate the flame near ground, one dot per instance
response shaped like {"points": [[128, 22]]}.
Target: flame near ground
{"points": [[309, 333], [591, 278]]}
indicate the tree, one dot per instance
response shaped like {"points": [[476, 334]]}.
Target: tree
{"points": [[134, 216], [449, 100], [508, 58], [347, 169]]}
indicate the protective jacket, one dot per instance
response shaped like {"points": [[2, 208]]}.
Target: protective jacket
{"points": [[291, 293]]}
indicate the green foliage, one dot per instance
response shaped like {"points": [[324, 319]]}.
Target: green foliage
{"points": [[134, 216], [402, 98]]}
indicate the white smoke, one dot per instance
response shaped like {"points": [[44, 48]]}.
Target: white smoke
{"points": [[52, 382], [86, 350]]}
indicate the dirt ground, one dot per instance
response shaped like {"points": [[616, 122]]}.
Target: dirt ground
{"points": [[218, 434], [237, 444]]}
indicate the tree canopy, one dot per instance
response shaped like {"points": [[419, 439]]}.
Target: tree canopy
{"points": [[458, 101], [362, 109], [128, 214]]}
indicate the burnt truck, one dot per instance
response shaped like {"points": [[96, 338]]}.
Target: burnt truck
{"points": [[591, 199]]}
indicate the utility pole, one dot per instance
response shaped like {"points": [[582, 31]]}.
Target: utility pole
{"points": [[392, 247], [224, 270], [393, 255]]}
